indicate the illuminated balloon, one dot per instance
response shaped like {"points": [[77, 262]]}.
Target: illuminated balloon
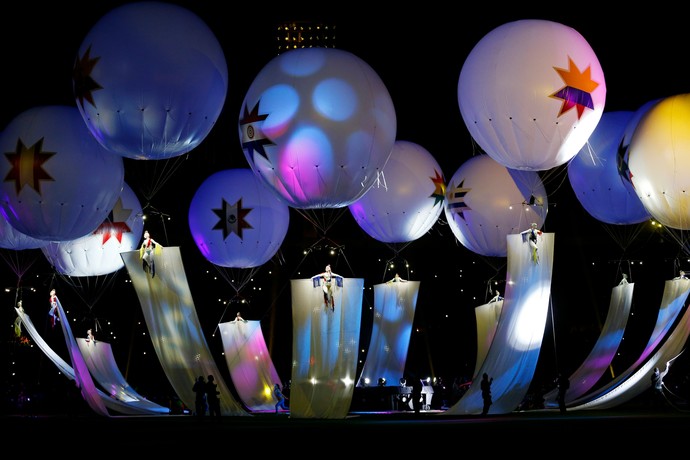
{"points": [[317, 125], [486, 201], [150, 80], [99, 253], [236, 221], [530, 93], [59, 183], [597, 178], [408, 200], [659, 161], [10, 238]]}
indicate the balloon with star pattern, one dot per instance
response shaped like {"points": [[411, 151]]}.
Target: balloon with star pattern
{"points": [[98, 253], [236, 221], [59, 182], [408, 198], [150, 80], [317, 125], [485, 202], [530, 93]]}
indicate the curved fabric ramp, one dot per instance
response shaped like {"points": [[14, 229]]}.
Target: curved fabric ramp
{"points": [[394, 309], [325, 346], [514, 351], [81, 371], [604, 350], [110, 402], [100, 360], [665, 343], [251, 368], [174, 326]]}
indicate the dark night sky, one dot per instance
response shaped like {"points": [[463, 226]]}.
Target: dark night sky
{"points": [[418, 55]]}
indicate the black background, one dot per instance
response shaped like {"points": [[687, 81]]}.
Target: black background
{"points": [[418, 53]]}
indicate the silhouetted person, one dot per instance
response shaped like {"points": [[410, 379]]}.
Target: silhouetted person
{"points": [[212, 398], [278, 394], [416, 394], [563, 384], [657, 386], [486, 392], [199, 389]]}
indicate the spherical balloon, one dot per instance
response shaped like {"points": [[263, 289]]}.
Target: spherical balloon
{"points": [[236, 221], [150, 80], [98, 253], [317, 125], [659, 161], [530, 93], [60, 184], [10, 238], [407, 201], [595, 174], [485, 202]]}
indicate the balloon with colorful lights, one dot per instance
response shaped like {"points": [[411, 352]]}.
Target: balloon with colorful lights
{"points": [[236, 221], [659, 161], [150, 80], [317, 125], [98, 253], [530, 93], [59, 182], [407, 200], [485, 202]]}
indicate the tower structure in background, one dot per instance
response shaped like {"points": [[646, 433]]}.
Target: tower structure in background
{"points": [[305, 34]]}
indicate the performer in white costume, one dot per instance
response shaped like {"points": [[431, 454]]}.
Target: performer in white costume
{"points": [[327, 279], [149, 247]]}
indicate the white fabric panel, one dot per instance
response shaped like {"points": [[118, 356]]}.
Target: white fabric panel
{"points": [[174, 326], [324, 349], [100, 360], [512, 357], [394, 309], [251, 368], [66, 369], [81, 371], [665, 344], [487, 316], [603, 352]]}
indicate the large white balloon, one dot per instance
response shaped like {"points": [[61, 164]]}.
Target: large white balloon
{"points": [[530, 93], [236, 221], [150, 80], [659, 161], [408, 199], [59, 183], [317, 125], [485, 202], [98, 253]]}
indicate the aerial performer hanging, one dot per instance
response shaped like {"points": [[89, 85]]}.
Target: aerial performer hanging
{"points": [[532, 236], [54, 316], [149, 248], [327, 279]]}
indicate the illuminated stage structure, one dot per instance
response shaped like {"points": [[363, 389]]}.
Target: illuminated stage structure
{"points": [[174, 327], [512, 357], [324, 349], [251, 368]]}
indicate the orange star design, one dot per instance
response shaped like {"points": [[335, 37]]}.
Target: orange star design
{"points": [[578, 89]]}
